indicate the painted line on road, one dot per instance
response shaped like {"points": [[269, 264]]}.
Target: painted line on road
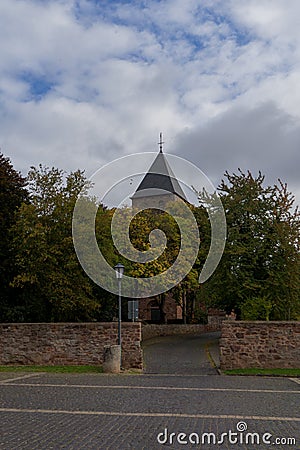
{"points": [[141, 414], [173, 374], [23, 377], [295, 380], [156, 388]]}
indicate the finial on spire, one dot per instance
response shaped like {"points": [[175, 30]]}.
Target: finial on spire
{"points": [[161, 142]]}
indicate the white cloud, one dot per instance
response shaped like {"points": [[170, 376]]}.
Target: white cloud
{"points": [[269, 18], [84, 82], [263, 138]]}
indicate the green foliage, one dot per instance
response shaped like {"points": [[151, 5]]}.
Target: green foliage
{"points": [[141, 227], [259, 271], [256, 309], [51, 283], [42, 279], [12, 194]]}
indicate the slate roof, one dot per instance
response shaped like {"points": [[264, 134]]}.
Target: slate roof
{"points": [[160, 176]]}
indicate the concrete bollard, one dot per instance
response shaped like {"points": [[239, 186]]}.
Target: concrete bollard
{"points": [[112, 359]]}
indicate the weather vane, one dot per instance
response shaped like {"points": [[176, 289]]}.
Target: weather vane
{"points": [[161, 142]]}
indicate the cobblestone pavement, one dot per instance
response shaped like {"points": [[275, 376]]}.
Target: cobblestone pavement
{"points": [[75, 411], [185, 355]]}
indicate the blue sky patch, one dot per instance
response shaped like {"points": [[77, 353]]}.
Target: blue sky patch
{"points": [[39, 85]]}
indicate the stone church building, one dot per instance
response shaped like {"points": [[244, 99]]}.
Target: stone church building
{"points": [[158, 187]]}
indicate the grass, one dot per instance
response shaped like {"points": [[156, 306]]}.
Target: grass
{"points": [[53, 369], [264, 372]]}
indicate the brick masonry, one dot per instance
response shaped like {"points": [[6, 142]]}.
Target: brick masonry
{"points": [[68, 343], [260, 345]]}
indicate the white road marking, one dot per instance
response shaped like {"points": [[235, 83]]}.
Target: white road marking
{"points": [[141, 414], [30, 375], [295, 380], [156, 388]]}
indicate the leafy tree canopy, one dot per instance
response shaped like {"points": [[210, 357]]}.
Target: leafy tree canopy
{"points": [[261, 259], [42, 279], [12, 194]]}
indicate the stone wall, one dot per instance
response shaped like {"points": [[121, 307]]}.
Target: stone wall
{"points": [[260, 345], [68, 343], [153, 330], [215, 321]]}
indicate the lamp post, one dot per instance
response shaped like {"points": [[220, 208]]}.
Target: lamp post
{"points": [[119, 268]]}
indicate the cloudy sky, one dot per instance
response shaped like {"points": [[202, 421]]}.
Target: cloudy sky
{"points": [[83, 82]]}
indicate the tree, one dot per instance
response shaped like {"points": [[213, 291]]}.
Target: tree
{"points": [[141, 231], [141, 227], [261, 259], [12, 194], [52, 284]]}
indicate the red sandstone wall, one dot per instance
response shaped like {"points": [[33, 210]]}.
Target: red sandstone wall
{"points": [[68, 343], [260, 344]]}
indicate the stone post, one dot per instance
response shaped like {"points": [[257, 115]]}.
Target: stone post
{"points": [[112, 359]]}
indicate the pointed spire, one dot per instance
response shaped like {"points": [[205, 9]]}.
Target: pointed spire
{"points": [[159, 177], [161, 142]]}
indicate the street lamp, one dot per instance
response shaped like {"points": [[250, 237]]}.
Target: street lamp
{"points": [[119, 268]]}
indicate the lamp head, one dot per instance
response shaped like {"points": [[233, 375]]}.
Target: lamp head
{"points": [[119, 268]]}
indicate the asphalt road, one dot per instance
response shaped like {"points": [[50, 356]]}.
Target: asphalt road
{"points": [[55, 411], [182, 355]]}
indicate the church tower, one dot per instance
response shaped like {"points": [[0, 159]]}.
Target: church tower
{"points": [[159, 186]]}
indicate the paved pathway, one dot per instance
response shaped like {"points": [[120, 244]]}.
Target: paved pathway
{"points": [[118, 412], [184, 355]]}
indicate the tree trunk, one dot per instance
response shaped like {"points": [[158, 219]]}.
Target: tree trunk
{"points": [[161, 304]]}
